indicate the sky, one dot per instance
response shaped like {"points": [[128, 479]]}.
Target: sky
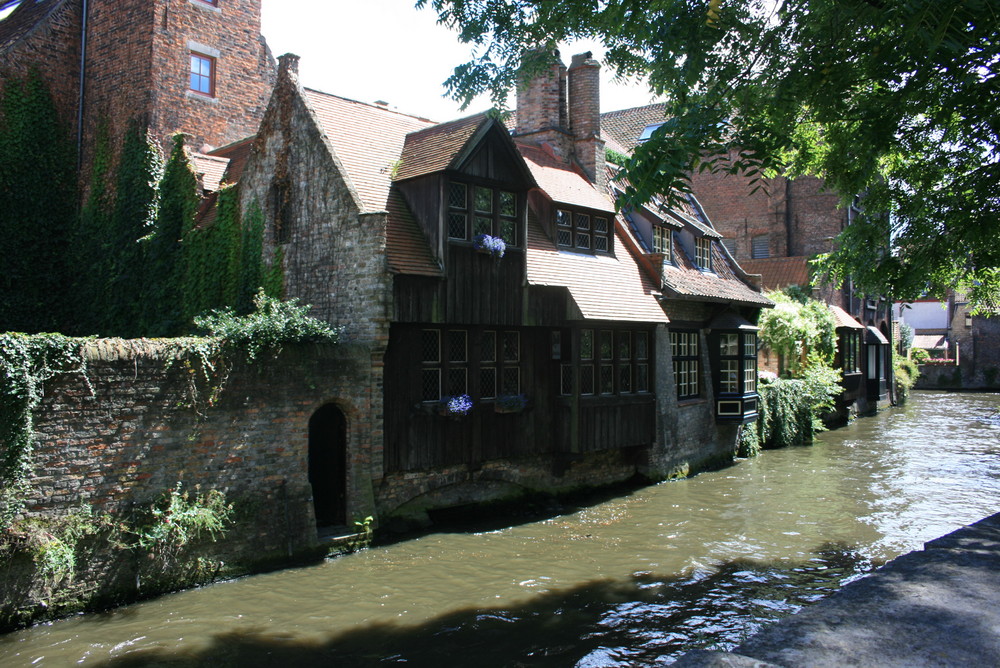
{"points": [[370, 50]]}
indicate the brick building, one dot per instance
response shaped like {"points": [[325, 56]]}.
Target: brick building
{"points": [[200, 67], [773, 232]]}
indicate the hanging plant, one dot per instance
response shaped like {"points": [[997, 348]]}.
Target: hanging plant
{"points": [[510, 403], [457, 406], [495, 246]]}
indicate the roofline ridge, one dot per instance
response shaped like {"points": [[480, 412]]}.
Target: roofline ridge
{"points": [[369, 104]]}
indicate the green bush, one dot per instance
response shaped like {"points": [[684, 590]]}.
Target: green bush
{"points": [[905, 373], [272, 323], [919, 355]]}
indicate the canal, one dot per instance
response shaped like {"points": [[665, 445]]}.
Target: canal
{"points": [[635, 581]]}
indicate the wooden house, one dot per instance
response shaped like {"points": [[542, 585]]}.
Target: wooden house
{"points": [[524, 336]]}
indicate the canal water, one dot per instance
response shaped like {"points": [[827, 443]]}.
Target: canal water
{"points": [[634, 581]]}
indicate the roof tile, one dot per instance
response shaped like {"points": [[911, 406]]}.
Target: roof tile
{"points": [[561, 182], [778, 273], [434, 149]]}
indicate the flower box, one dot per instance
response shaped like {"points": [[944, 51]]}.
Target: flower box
{"points": [[490, 245]]}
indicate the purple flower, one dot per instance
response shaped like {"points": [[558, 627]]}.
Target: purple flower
{"points": [[459, 405], [495, 246]]}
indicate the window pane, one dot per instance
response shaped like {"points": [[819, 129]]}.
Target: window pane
{"points": [[624, 345], [587, 379], [487, 382], [458, 196], [457, 349], [582, 240], [511, 347], [430, 385], [607, 379], [728, 344], [511, 380], [566, 379], [606, 344], [457, 381], [508, 204], [641, 345], [456, 226], [625, 378], [674, 344], [750, 345], [482, 226], [582, 221], [750, 378], [488, 347], [564, 238], [600, 243], [601, 225], [430, 345], [508, 231], [728, 376], [484, 199], [587, 344], [563, 218], [642, 378]]}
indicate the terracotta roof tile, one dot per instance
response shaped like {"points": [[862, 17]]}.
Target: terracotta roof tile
{"points": [[686, 281], [561, 182], [237, 153], [844, 319], [406, 247], [930, 341], [368, 141], [210, 170], [23, 20], [434, 149], [602, 287], [625, 125], [779, 272]]}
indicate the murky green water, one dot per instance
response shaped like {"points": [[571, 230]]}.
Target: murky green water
{"points": [[635, 581]]}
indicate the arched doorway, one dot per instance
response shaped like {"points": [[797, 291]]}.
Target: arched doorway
{"points": [[328, 465]]}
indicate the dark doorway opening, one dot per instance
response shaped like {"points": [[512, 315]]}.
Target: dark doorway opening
{"points": [[328, 465]]}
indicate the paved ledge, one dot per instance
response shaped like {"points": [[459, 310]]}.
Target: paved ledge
{"points": [[936, 607]]}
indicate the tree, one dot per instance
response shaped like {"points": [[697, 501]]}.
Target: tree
{"points": [[889, 101]]}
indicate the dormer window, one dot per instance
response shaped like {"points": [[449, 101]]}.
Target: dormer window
{"points": [[583, 232], [648, 131], [661, 242], [703, 253], [474, 210]]}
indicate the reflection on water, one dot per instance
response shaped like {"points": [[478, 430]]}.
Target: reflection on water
{"points": [[634, 581]]}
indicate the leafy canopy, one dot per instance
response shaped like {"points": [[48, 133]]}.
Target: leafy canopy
{"points": [[891, 101]]}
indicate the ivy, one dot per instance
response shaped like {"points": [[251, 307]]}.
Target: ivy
{"points": [[796, 327], [26, 363], [37, 207]]}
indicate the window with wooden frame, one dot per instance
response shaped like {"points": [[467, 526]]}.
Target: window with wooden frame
{"points": [[737, 363], [850, 351], [760, 246], [475, 209], [703, 253], [608, 362], [203, 69], [481, 363], [685, 352], [583, 232], [661, 242]]}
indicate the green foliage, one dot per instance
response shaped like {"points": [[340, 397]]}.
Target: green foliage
{"points": [[892, 100], [177, 519], [91, 243], [165, 271], [905, 375], [614, 157], [796, 327], [364, 531], [821, 386], [748, 441], [251, 250], [272, 323], [919, 355], [132, 219], [37, 207], [26, 363], [784, 417]]}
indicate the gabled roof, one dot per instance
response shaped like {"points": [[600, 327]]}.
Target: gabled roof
{"points": [[210, 169], [779, 272], [367, 139], [437, 148], [625, 125], [844, 319], [23, 19], [562, 182], [602, 287], [237, 154], [406, 247], [686, 281]]}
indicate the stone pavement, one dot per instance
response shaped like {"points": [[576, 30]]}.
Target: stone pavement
{"points": [[936, 607]]}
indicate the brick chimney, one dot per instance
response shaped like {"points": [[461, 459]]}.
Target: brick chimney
{"points": [[541, 103], [585, 117]]}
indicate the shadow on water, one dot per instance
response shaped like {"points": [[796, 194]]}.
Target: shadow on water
{"points": [[643, 621]]}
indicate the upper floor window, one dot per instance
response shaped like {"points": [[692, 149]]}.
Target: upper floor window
{"points": [[737, 363], [608, 362], [703, 253], [203, 74], [582, 231], [850, 351], [661, 241], [475, 209]]}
